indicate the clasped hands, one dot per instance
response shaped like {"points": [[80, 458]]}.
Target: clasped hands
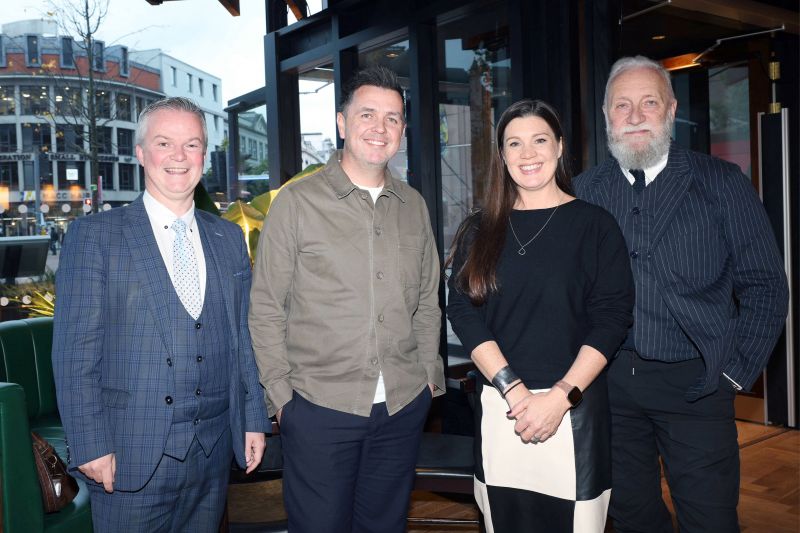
{"points": [[537, 415]]}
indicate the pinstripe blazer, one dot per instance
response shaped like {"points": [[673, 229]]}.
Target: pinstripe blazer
{"points": [[112, 339], [715, 263]]}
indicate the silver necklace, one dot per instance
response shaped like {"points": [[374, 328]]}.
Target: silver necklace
{"points": [[521, 250]]}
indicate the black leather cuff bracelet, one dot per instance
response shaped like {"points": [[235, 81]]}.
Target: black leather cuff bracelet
{"points": [[504, 378]]}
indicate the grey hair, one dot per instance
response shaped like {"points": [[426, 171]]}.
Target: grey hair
{"points": [[173, 103], [625, 64]]}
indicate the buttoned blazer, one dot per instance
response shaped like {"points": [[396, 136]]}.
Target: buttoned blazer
{"points": [[112, 339], [714, 261]]}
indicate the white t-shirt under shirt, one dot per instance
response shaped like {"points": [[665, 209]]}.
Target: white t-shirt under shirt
{"points": [[380, 390]]}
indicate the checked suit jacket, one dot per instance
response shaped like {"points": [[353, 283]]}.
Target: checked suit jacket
{"points": [[112, 339], [714, 260]]}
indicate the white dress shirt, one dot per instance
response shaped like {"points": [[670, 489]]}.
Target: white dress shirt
{"points": [[650, 173], [161, 219]]}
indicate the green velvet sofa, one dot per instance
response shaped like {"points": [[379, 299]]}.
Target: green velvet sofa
{"points": [[28, 402]]}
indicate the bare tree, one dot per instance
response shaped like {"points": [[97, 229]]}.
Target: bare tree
{"points": [[81, 102]]}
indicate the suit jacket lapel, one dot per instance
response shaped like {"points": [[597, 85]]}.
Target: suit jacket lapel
{"points": [[674, 182], [216, 251], [149, 267]]}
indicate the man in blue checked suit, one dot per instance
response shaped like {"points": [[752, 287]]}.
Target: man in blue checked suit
{"points": [[156, 381], [711, 301]]}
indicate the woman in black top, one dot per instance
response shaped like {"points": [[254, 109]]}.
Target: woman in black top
{"points": [[540, 295]]}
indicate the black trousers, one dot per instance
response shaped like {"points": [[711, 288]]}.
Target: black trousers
{"points": [[650, 418], [345, 473]]}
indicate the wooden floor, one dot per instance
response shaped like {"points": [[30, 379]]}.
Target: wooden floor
{"points": [[769, 496]]}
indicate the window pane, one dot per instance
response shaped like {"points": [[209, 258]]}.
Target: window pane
{"points": [[126, 177], [67, 58], [9, 176], [253, 164], [35, 137], [68, 102], [8, 138], [317, 115], [474, 89], [102, 103], [7, 100], [106, 174], [69, 138], [124, 141], [33, 50], [394, 57], [729, 114], [34, 100], [123, 106]]}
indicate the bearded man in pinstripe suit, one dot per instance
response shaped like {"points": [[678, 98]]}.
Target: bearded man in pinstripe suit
{"points": [[711, 300]]}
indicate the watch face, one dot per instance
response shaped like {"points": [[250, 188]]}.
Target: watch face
{"points": [[575, 396]]}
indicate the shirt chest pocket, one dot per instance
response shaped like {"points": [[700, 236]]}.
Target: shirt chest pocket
{"points": [[410, 249]]}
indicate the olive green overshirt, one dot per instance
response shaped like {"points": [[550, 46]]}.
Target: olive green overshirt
{"points": [[344, 289]]}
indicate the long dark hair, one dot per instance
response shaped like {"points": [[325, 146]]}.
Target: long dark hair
{"points": [[478, 276]]}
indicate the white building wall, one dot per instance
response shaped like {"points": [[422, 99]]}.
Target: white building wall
{"points": [[175, 81]]}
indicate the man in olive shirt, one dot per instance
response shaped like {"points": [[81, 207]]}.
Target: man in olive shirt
{"points": [[345, 323]]}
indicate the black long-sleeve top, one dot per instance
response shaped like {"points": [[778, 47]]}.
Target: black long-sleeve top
{"points": [[573, 286]]}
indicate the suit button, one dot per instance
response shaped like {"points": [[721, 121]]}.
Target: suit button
{"points": [[169, 361], [196, 421], [380, 318], [378, 231], [379, 275], [199, 358], [197, 392], [634, 254], [374, 361], [168, 400], [198, 325], [636, 211]]}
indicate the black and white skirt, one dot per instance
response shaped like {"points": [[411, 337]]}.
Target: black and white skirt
{"points": [[560, 485]]}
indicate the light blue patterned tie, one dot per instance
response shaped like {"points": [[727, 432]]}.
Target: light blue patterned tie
{"points": [[186, 277]]}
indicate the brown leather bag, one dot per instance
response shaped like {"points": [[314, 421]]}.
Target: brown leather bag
{"points": [[58, 487]]}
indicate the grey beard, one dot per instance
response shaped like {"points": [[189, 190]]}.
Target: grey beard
{"points": [[645, 157]]}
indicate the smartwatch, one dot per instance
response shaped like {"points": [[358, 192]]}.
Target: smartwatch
{"points": [[574, 394]]}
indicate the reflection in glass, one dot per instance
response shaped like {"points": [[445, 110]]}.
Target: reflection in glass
{"points": [[317, 115], [395, 57], [474, 89], [729, 115], [252, 157]]}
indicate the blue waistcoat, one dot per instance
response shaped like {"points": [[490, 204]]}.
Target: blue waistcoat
{"points": [[201, 366]]}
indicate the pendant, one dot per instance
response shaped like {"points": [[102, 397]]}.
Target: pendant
{"points": [[521, 251]]}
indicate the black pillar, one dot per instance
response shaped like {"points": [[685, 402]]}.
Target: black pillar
{"points": [[283, 122]]}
